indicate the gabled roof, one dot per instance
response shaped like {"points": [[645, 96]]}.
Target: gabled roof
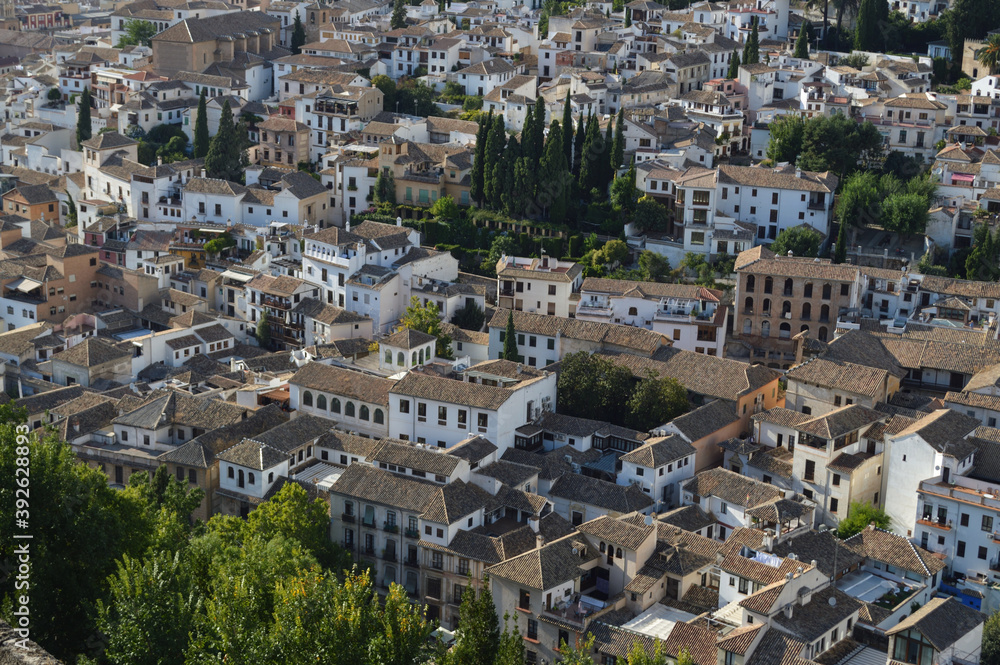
{"points": [[546, 567], [887, 547], [942, 621]]}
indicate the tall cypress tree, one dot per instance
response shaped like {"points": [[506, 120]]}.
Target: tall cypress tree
{"points": [[398, 19], [628, 17], [589, 168], [509, 196], [581, 134], [734, 65], [510, 340], [298, 35], [555, 178], [538, 139], [479, 161], [606, 156], [225, 158], [840, 251], [567, 124], [618, 147], [866, 34], [478, 638], [201, 136], [496, 141], [751, 50], [83, 129], [802, 43]]}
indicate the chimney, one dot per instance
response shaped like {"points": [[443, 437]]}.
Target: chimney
{"points": [[204, 173], [347, 225], [533, 523], [159, 160], [790, 254], [399, 221], [798, 172], [539, 541]]}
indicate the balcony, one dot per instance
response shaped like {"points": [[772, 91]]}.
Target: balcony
{"points": [[928, 520], [411, 562], [368, 551], [368, 522], [594, 309], [347, 545], [277, 303], [815, 204], [389, 555], [437, 565], [347, 518], [391, 528], [411, 533]]}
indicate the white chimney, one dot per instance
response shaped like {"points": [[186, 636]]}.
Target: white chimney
{"points": [[204, 173]]}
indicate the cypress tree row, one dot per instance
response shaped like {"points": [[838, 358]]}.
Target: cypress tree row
{"points": [[83, 127], [618, 147], [479, 162], [607, 156], [555, 179], [751, 49], [496, 141], [589, 166], [509, 196]]}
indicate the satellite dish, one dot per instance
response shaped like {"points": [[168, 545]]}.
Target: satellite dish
{"points": [[832, 601]]}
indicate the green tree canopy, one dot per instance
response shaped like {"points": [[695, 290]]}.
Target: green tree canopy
{"points": [[478, 637], [298, 35], [137, 33], [802, 42], [202, 139], [510, 340], [470, 317], [398, 19], [656, 401], [264, 330], [446, 208], [905, 213], [592, 387], [786, 139], [427, 318], [859, 516], [800, 240], [83, 126], [990, 654], [650, 215], [226, 158]]}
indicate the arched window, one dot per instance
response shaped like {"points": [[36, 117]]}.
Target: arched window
{"points": [[766, 307], [822, 333], [807, 290], [807, 309], [826, 291], [252, 479], [785, 330], [751, 283], [603, 547], [349, 409], [270, 477], [239, 480], [400, 358], [786, 308], [824, 313], [748, 305], [804, 329], [618, 553], [379, 417], [788, 286], [363, 412], [768, 285], [413, 357], [421, 356], [388, 357], [231, 474], [633, 311], [321, 402], [307, 398], [334, 405], [747, 326], [765, 329]]}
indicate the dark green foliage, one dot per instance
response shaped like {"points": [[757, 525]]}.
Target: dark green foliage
{"points": [[656, 401], [70, 210], [398, 19], [137, 32], [618, 147], [413, 96], [751, 48], [650, 215], [388, 88], [591, 386], [427, 318], [734, 65], [970, 19], [578, 138], [835, 143], [201, 136], [264, 330], [479, 162], [567, 125], [470, 317], [298, 35], [54, 94], [506, 175], [624, 195], [478, 638], [555, 179], [802, 43], [859, 516], [510, 341], [226, 158], [786, 139], [840, 252], [867, 36], [385, 187], [990, 654], [981, 264], [83, 128], [905, 213], [800, 240], [496, 141]]}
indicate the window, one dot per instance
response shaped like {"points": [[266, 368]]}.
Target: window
{"points": [[834, 505], [482, 420], [524, 600], [987, 523], [964, 519], [960, 549], [421, 412], [404, 406], [810, 474]]}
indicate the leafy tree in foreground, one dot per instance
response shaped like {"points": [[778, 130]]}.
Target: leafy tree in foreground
{"points": [[226, 158], [859, 516], [470, 317], [800, 240], [990, 654], [592, 387], [137, 32], [656, 401], [478, 639], [398, 19], [264, 330], [427, 318]]}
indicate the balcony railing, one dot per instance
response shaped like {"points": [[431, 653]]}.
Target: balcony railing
{"points": [[347, 518], [370, 551], [437, 565], [411, 533], [936, 523], [391, 528], [411, 562], [389, 555], [368, 522], [347, 545]]}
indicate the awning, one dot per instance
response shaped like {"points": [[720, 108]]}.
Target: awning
{"points": [[24, 284], [238, 276], [962, 177]]}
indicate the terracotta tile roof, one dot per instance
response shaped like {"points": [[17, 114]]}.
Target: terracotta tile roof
{"points": [[858, 379], [343, 382], [620, 532], [942, 621], [840, 421], [606, 334], [886, 547], [740, 640], [621, 499], [546, 567], [731, 487]]}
